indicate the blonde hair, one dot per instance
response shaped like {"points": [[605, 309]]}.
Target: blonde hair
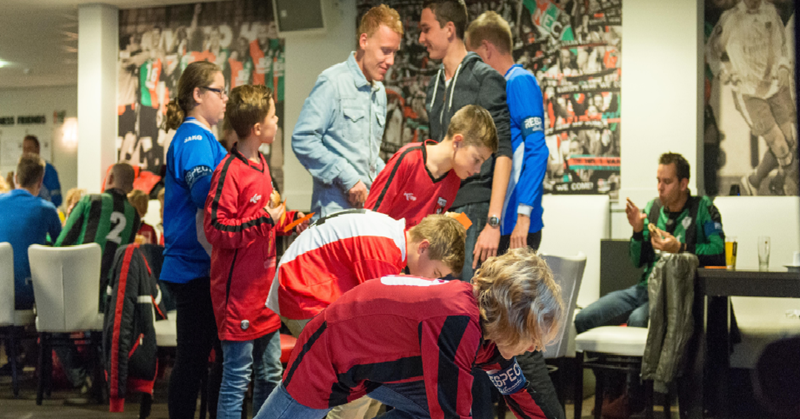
{"points": [[518, 299], [139, 200], [197, 74], [247, 105], [73, 196], [476, 125], [447, 239], [490, 27], [30, 170], [377, 16], [4, 187]]}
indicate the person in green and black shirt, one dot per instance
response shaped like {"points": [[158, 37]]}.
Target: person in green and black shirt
{"points": [[684, 223], [107, 219]]}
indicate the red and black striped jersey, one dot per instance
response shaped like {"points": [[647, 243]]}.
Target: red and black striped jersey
{"points": [[334, 255], [242, 236], [400, 329], [405, 188]]}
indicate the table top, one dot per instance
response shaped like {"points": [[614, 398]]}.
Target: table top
{"points": [[745, 282]]}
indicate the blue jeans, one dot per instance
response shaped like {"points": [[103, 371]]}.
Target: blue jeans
{"points": [[477, 213], [264, 354], [615, 308], [408, 399]]}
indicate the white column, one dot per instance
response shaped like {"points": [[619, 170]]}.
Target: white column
{"points": [[98, 43], [662, 87]]}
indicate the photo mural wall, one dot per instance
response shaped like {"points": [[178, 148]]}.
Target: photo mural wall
{"points": [[573, 47], [156, 44], [750, 115]]}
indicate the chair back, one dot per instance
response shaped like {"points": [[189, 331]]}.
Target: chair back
{"points": [[568, 273], [6, 284], [66, 282]]}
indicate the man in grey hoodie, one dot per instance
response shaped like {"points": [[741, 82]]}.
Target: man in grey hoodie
{"points": [[466, 80]]}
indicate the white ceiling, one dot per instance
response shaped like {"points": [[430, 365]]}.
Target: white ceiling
{"points": [[40, 38]]}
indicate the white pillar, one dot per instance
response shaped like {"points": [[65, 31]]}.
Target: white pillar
{"points": [[98, 43], [662, 87]]}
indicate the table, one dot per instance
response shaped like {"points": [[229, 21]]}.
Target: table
{"points": [[710, 360]]}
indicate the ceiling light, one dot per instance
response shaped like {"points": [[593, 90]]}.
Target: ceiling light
{"points": [[4, 63]]}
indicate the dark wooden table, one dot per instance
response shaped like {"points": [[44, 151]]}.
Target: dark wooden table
{"points": [[710, 360]]}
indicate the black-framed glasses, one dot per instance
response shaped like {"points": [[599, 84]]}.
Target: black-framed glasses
{"points": [[220, 92]]}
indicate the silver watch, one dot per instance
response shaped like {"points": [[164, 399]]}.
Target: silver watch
{"points": [[494, 221]]}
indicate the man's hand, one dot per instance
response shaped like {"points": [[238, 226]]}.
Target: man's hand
{"points": [[519, 237], [665, 242], [487, 244], [276, 213], [357, 195], [635, 216]]}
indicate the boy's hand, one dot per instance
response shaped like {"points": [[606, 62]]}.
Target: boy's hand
{"points": [[357, 195], [276, 213], [519, 237], [487, 244], [302, 226]]}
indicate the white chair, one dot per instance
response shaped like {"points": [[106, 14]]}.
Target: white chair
{"points": [[617, 348], [66, 282], [9, 316], [568, 274]]}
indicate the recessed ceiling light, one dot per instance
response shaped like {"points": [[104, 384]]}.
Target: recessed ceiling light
{"points": [[4, 63]]}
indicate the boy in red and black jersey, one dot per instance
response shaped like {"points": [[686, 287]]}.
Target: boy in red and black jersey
{"points": [[418, 339], [241, 224], [422, 179]]}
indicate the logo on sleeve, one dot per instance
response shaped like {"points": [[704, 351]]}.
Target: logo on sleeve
{"points": [[508, 380], [440, 204], [255, 198], [193, 138], [533, 124]]}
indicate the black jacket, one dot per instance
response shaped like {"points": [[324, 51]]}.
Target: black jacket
{"points": [[475, 83], [129, 336]]}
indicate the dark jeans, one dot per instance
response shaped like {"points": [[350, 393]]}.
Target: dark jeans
{"points": [[477, 213], [197, 335], [629, 305]]}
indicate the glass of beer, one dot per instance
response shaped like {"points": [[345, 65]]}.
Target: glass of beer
{"points": [[730, 252]]}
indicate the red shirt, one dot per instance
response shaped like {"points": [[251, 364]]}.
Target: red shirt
{"points": [[148, 232], [406, 189], [242, 236], [259, 61], [334, 255], [407, 329]]}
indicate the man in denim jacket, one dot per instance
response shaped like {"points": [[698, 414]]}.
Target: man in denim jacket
{"points": [[338, 134]]}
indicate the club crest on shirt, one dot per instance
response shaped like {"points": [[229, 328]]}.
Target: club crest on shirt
{"points": [[410, 196], [440, 204]]}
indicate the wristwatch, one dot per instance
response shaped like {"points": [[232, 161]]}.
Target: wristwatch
{"points": [[494, 221]]}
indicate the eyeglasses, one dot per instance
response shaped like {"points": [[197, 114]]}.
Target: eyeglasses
{"points": [[220, 92]]}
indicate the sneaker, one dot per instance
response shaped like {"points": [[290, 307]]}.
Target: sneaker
{"points": [[618, 409], [748, 188]]}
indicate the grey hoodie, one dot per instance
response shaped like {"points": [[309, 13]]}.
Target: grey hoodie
{"points": [[475, 83]]}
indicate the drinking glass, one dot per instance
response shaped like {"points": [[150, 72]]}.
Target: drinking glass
{"points": [[763, 253]]}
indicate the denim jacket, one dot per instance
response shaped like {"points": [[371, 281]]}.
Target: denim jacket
{"points": [[338, 135]]}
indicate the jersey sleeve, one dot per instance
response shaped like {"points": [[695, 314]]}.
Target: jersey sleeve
{"points": [[71, 233], [195, 165], [641, 249], [387, 186], [448, 346], [222, 226], [526, 107], [509, 379], [711, 250]]}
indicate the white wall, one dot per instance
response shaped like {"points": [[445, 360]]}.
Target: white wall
{"points": [[661, 90], [45, 101], [306, 57]]}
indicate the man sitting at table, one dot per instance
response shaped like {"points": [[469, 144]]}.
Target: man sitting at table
{"points": [[681, 223]]}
